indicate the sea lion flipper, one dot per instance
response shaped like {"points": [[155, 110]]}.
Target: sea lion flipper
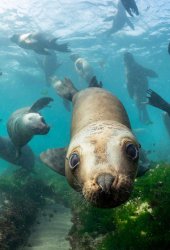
{"points": [[94, 83], [142, 169], [55, 159], [67, 105], [40, 104], [59, 47], [149, 72], [42, 51], [130, 24], [157, 101]]}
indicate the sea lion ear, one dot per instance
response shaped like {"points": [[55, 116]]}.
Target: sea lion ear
{"points": [[40, 103], [55, 159]]}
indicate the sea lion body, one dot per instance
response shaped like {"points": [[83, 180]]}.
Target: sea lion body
{"points": [[100, 137], [84, 69], [50, 65], [17, 130], [8, 153], [119, 20], [39, 42], [137, 84]]}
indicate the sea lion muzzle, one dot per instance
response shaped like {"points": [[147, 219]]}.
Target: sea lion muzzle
{"points": [[42, 127], [42, 130], [105, 182]]}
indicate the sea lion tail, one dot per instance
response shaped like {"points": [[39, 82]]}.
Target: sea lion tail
{"points": [[157, 101], [40, 104], [55, 159], [59, 47]]}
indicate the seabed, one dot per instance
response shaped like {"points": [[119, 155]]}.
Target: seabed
{"points": [[39, 211]]}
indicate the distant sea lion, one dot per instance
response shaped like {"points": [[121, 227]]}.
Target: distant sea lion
{"points": [[39, 42], [157, 101], [8, 153], [137, 84], [84, 69], [24, 123], [49, 64], [102, 157], [120, 19]]}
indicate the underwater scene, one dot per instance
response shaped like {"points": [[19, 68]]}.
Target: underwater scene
{"points": [[85, 125]]}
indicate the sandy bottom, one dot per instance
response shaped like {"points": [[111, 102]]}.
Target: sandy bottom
{"points": [[50, 230]]}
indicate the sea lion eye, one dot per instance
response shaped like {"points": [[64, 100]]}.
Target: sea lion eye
{"points": [[74, 160], [132, 151]]}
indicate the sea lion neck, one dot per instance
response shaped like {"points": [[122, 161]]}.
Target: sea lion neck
{"points": [[93, 105]]}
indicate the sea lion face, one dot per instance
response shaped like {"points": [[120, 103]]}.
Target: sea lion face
{"points": [[101, 163], [14, 38], [128, 58], [35, 122]]}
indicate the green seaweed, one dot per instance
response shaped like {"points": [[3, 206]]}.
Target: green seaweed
{"points": [[141, 223], [22, 194]]}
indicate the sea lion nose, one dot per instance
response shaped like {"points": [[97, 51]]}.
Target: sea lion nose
{"points": [[105, 182]]}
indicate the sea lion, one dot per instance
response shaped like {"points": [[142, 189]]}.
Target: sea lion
{"points": [[169, 48], [49, 64], [38, 42], [157, 101], [84, 69], [130, 6], [120, 19], [102, 158], [137, 84], [8, 153], [24, 123]]}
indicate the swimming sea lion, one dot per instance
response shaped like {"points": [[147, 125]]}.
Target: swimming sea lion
{"points": [[49, 65], [102, 157], [137, 84], [84, 69], [8, 153], [120, 19], [24, 123], [39, 43]]}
